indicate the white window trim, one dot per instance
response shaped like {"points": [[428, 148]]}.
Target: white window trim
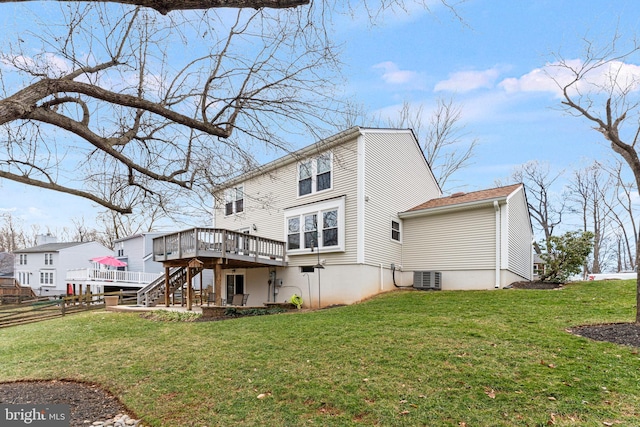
{"points": [[230, 195], [47, 272], [317, 208], [314, 175], [399, 229]]}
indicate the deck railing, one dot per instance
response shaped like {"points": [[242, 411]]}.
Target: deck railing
{"points": [[119, 276], [216, 242]]}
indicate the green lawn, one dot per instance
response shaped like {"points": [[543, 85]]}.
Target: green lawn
{"points": [[476, 358]]}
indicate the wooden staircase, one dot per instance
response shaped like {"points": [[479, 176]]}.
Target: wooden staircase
{"points": [[154, 292]]}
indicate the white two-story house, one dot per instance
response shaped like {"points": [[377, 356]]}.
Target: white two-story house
{"points": [[361, 213], [44, 267]]}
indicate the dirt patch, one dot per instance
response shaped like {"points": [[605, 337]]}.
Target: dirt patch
{"points": [[88, 402]]}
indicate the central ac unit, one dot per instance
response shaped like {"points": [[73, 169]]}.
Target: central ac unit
{"points": [[427, 280]]}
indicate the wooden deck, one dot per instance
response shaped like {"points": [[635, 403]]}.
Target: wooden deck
{"points": [[237, 250]]}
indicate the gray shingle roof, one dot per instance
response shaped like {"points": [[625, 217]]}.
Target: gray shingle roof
{"points": [[49, 247]]}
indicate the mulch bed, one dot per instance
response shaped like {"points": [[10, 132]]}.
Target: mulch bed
{"points": [[618, 333], [88, 402], [535, 285]]}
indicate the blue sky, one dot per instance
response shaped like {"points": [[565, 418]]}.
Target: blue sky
{"points": [[487, 64], [490, 64]]}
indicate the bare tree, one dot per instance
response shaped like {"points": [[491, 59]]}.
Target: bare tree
{"points": [[446, 145], [120, 96], [12, 236], [603, 89], [546, 207], [138, 114], [167, 6], [621, 216], [591, 189]]}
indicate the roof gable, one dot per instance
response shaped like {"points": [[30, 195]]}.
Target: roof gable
{"points": [[315, 148]]}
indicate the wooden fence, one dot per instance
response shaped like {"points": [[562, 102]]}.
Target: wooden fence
{"points": [[35, 310]]}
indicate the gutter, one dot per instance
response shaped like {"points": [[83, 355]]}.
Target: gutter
{"points": [[452, 208], [496, 207]]}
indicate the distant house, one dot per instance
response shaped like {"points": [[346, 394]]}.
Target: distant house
{"points": [[136, 271], [137, 251], [539, 266], [44, 267], [6, 265], [351, 216]]}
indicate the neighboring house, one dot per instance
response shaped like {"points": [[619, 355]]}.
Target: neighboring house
{"points": [[539, 266], [137, 252], [44, 267], [6, 265]]}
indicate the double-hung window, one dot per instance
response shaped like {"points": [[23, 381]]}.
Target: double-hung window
{"points": [[48, 259], [314, 175], [317, 225], [23, 259], [395, 230], [311, 230], [234, 200], [46, 277]]}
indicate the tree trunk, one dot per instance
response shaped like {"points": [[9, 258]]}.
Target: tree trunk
{"points": [[637, 283]]}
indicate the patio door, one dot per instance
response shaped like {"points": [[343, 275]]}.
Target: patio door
{"points": [[235, 285]]}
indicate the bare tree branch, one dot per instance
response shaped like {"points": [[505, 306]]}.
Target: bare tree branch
{"points": [[166, 6]]}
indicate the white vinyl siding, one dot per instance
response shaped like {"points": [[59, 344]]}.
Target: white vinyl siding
{"points": [[520, 258], [465, 241], [268, 195], [397, 178]]}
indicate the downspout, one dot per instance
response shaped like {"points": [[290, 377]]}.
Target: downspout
{"points": [[381, 278], [496, 207]]}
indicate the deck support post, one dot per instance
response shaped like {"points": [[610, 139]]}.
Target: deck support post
{"points": [[217, 287], [189, 290], [167, 297]]}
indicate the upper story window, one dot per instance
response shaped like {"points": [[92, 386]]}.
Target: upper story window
{"points": [[395, 230], [319, 225], [48, 259], [234, 200], [314, 175], [23, 259]]}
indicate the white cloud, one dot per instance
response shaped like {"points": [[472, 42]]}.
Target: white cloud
{"points": [[392, 74], [553, 76], [466, 81], [46, 63]]}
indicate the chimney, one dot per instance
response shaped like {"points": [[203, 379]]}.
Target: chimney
{"points": [[43, 239]]}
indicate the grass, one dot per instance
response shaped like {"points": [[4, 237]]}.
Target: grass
{"points": [[494, 358]]}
